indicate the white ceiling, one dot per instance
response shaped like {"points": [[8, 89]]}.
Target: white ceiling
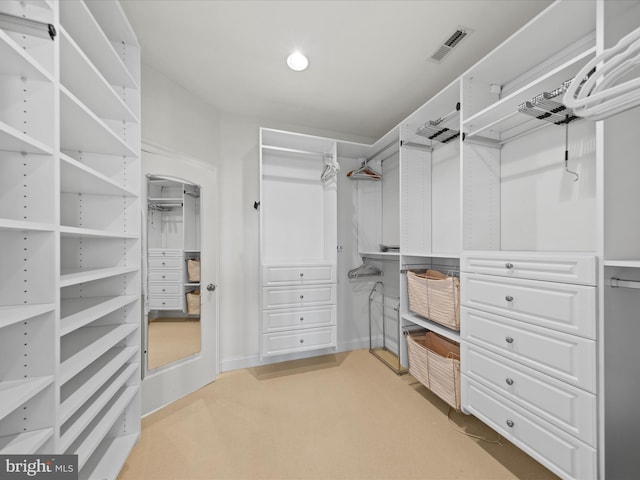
{"points": [[368, 65]]}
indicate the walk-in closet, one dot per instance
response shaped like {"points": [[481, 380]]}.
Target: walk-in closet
{"points": [[481, 253]]}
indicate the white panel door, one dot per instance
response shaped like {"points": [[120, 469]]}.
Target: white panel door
{"points": [[168, 383]]}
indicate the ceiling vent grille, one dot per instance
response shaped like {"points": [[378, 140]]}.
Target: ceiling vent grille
{"points": [[448, 45]]}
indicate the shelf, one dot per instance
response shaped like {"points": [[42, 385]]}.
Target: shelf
{"points": [[80, 76], [26, 443], [503, 116], [77, 232], [13, 140], [432, 255], [89, 343], [622, 263], [86, 444], [78, 312], [15, 61], [161, 200], [14, 393], [191, 284], [75, 177], [78, 21], [87, 382], [380, 254], [12, 314], [73, 276], [81, 130], [109, 457], [24, 226], [113, 20], [432, 326], [89, 414]]}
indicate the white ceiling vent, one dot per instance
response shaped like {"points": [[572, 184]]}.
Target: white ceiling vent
{"points": [[448, 45]]}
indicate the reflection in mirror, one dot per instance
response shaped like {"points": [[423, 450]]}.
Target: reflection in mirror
{"points": [[173, 270]]}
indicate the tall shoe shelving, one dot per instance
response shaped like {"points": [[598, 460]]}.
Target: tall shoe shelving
{"points": [[70, 230]]}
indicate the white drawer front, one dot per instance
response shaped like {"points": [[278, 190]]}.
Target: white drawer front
{"points": [[171, 276], [566, 357], [297, 318], [165, 303], [567, 407], [305, 296], [299, 341], [165, 289], [165, 252], [560, 452], [569, 268], [298, 275], [165, 262], [561, 306]]}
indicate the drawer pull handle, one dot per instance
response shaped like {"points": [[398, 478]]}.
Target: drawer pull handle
{"points": [[508, 265], [301, 297], [301, 274], [510, 423], [163, 276], [163, 263], [164, 289], [509, 298], [509, 339], [302, 340], [509, 381], [301, 319]]}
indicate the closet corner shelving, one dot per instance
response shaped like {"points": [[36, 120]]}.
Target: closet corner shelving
{"points": [[70, 164]]}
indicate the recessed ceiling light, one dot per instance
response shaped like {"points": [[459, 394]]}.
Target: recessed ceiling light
{"points": [[297, 61]]}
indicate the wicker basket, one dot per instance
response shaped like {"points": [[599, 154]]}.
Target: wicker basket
{"points": [[193, 270], [435, 296], [435, 362], [193, 302]]}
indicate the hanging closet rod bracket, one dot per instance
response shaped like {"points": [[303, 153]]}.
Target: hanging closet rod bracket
{"points": [[417, 146], [619, 282], [27, 26], [482, 141]]}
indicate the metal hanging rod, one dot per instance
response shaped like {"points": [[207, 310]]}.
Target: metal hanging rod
{"points": [[27, 26], [386, 147], [619, 282], [295, 150]]}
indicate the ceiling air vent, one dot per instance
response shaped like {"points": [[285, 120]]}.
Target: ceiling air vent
{"points": [[449, 44]]}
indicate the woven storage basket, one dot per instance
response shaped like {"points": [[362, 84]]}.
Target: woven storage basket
{"points": [[435, 296], [193, 302], [193, 270], [435, 362]]}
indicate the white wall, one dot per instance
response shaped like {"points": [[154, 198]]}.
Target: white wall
{"points": [[175, 119]]}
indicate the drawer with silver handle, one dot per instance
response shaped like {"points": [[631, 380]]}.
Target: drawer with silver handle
{"points": [[302, 296], [298, 318], [553, 267], [562, 453], [567, 407], [566, 357], [165, 303], [298, 274], [165, 289], [171, 276], [560, 306], [165, 252], [165, 262], [298, 341]]}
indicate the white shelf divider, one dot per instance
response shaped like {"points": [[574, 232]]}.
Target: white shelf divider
{"points": [[432, 326], [89, 414], [11, 314], [14, 393], [74, 276], [93, 342], [25, 443], [75, 177], [78, 312], [89, 381]]}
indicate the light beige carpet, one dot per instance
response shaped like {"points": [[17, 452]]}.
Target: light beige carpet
{"points": [[344, 416], [171, 339]]}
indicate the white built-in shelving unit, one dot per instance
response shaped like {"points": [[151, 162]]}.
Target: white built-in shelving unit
{"points": [[70, 230]]}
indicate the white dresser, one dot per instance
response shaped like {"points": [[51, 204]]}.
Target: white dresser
{"points": [[166, 272], [528, 347]]}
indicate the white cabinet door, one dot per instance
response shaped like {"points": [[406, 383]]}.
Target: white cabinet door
{"points": [[566, 357], [560, 306], [560, 452], [566, 268]]}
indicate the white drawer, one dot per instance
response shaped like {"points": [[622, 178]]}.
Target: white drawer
{"points": [[165, 303], [297, 318], [305, 296], [166, 262], [299, 341], [562, 453], [561, 306], [165, 289], [165, 252], [298, 274], [567, 407], [566, 357], [566, 268], [172, 276]]}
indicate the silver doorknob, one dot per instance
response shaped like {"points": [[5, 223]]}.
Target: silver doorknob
{"points": [[211, 287]]}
